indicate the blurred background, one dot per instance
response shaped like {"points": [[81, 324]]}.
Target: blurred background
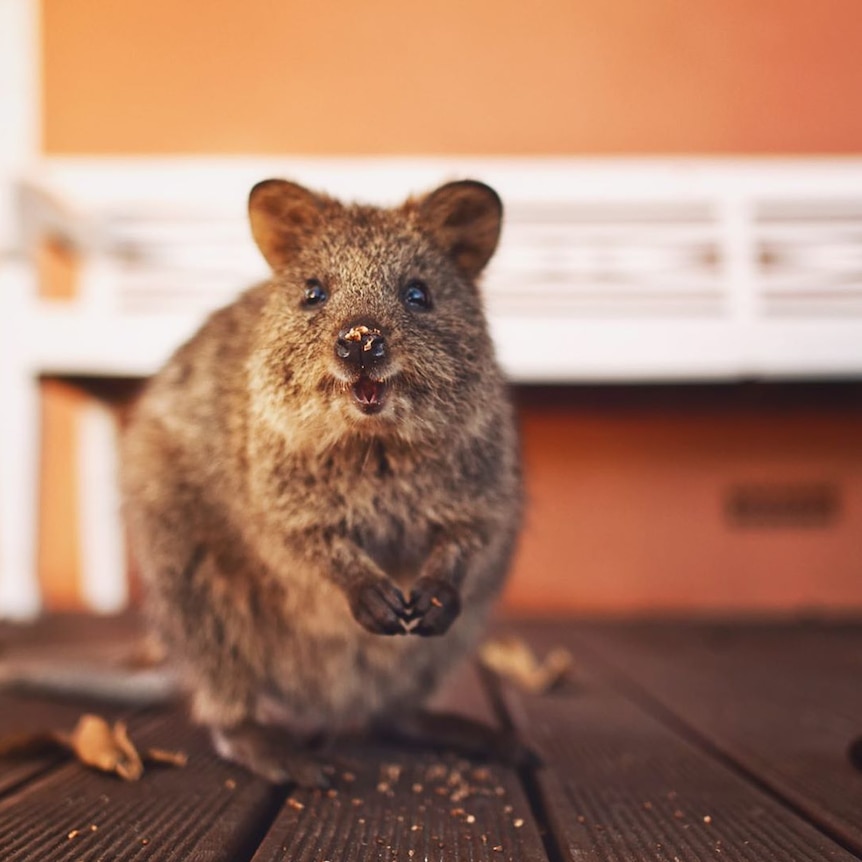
{"points": [[677, 298]]}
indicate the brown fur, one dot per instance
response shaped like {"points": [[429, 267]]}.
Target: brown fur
{"points": [[283, 531]]}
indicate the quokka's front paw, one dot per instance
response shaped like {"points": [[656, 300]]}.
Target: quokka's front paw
{"points": [[435, 605], [379, 606]]}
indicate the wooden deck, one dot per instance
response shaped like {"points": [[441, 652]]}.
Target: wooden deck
{"points": [[672, 741]]}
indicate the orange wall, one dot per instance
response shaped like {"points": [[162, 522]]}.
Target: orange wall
{"points": [[628, 491], [452, 76]]}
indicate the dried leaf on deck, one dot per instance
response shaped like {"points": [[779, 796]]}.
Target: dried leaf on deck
{"points": [[169, 758], [97, 744], [93, 742], [512, 658]]}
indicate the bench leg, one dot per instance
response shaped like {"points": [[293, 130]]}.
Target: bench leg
{"points": [[19, 453]]}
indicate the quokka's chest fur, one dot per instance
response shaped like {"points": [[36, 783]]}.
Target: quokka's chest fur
{"points": [[378, 497]]}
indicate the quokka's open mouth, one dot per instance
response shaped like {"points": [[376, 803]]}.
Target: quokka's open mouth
{"points": [[369, 394]]}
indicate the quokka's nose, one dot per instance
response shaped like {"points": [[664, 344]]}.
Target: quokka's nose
{"points": [[361, 344]]}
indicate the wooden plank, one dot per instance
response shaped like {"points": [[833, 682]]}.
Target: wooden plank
{"points": [[401, 805], [390, 803], [109, 658], [24, 713], [408, 800], [208, 810], [76, 639], [19, 715], [781, 701], [619, 784], [62, 629]]}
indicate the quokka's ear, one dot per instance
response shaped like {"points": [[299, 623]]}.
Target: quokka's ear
{"points": [[283, 217], [464, 218]]}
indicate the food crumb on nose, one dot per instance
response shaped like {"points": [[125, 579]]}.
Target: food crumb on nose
{"points": [[357, 333]]}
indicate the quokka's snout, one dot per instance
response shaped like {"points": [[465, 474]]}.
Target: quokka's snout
{"points": [[361, 345]]}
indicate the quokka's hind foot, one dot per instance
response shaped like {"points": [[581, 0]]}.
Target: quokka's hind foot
{"points": [[271, 753], [459, 734]]}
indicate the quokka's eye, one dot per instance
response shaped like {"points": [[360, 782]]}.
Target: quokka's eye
{"points": [[315, 293], [416, 295]]}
